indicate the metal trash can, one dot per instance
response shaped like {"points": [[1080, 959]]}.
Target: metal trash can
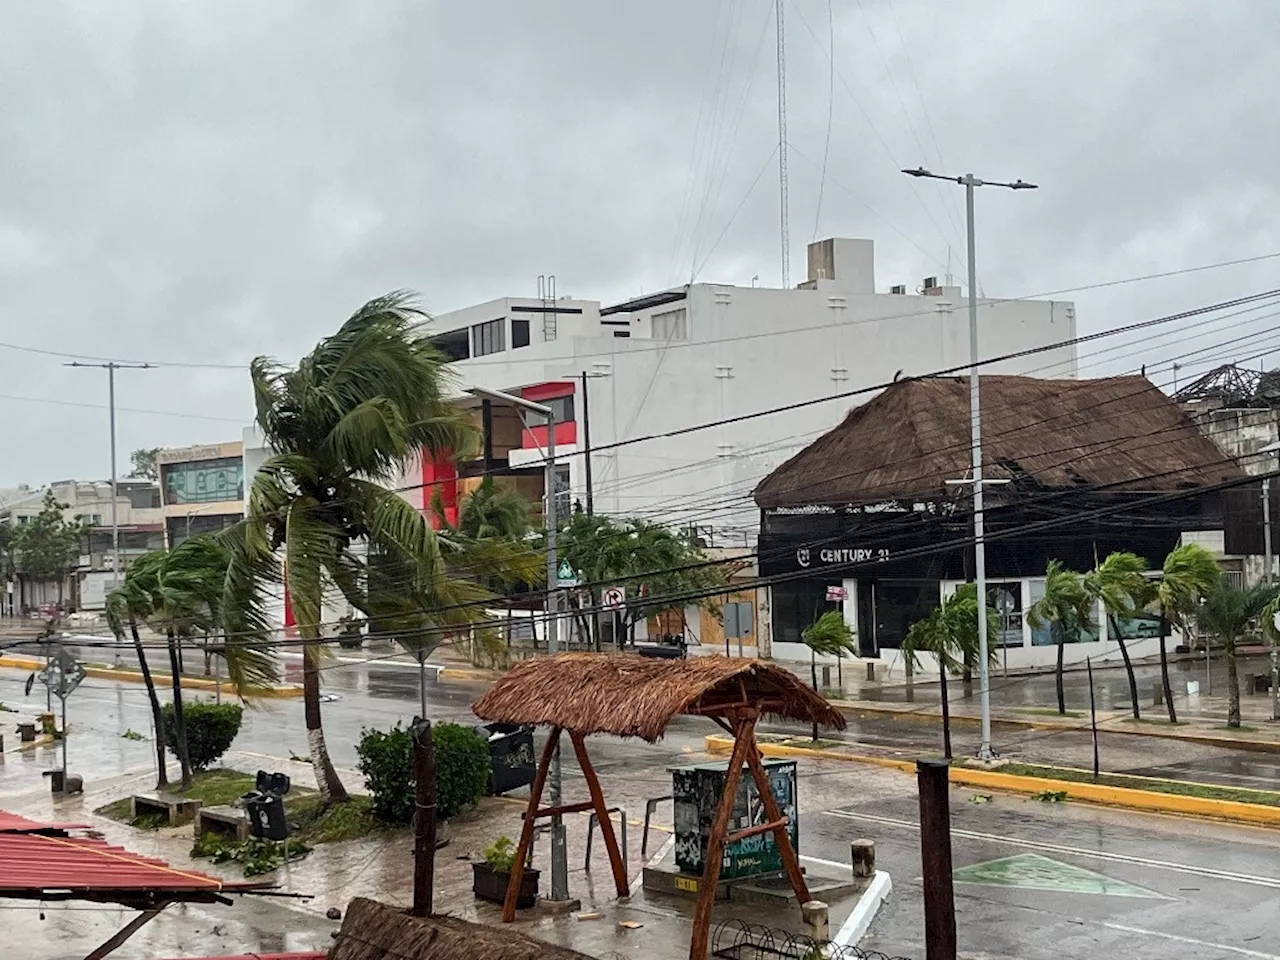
{"points": [[266, 817], [511, 760]]}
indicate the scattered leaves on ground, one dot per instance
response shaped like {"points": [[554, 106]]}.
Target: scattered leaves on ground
{"points": [[132, 735], [980, 798], [1050, 796]]}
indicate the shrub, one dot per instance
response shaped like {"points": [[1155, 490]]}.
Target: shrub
{"points": [[210, 729], [500, 856], [386, 761]]}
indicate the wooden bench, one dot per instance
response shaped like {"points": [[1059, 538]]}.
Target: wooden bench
{"points": [[174, 811], [229, 822]]}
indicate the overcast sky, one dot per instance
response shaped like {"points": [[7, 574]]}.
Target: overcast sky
{"points": [[204, 182]]}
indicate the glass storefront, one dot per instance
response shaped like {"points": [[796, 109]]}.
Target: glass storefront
{"points": [[203, 481]]}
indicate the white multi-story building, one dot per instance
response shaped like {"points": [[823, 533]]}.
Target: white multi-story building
{"points": [[654, 370]]}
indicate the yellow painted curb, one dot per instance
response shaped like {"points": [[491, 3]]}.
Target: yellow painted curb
{"points": [[461, 673], [133, 676], [1146, 800]]}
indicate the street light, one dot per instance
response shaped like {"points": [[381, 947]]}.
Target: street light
{"points": [[559, 852], [1269, 449], [969, 182]]}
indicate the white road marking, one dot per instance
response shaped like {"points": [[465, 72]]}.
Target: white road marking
{"points": [[1190, 941], [1273, 882]]}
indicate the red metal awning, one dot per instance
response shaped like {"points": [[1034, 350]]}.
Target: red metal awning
{"points": [[12, 823]]}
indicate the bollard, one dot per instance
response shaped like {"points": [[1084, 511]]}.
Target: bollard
{"points": [[826, 678], [814, 915], [862, 855], [1158, 695], [871, 672]]}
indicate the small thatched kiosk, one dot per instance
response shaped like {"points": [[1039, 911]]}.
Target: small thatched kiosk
{"points": [[628, 696], [375, 931]]}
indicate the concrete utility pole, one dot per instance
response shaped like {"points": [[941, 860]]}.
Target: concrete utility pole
{"points": [[111, 367], [969, 182], [1269, 449], [559, 852]]}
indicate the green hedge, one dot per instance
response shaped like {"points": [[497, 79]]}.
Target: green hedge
{"points": [[386, 761], [211, 727]]}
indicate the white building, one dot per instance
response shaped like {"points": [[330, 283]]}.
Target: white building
{"points": [[706, 353]]}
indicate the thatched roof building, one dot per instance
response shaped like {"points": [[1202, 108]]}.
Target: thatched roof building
{"points": [[1120, 433], [375, 931], [631, 696]]}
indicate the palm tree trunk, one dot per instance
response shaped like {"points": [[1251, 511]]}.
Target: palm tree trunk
{"points": [[1057, 675], [1128, 667], [813, 673], [946, 715], [157, 715], [179, 719], [331, 788], [1164, 672], [1233, 683]]}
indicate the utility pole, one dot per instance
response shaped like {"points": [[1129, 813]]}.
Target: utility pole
{"points": [[782, 147], [586, 445], [1269, 449], [969, 182], [559, 851], [111, 367]]}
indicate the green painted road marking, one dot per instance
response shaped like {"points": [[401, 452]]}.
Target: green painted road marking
{"points": [[1031, 871]]}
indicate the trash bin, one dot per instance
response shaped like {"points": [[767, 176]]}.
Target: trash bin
{"points": [[511, 760], [266, 817]]}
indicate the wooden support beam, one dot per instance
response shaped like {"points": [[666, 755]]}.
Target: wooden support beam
{"points": [[698, 943], [526, 832], [562, 809], [790, 862], [617, 857], [125, 932], [719, 721], [757, 829]]}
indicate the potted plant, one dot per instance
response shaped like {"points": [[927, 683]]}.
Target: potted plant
{"points": [[490, 877], [350, 635]]}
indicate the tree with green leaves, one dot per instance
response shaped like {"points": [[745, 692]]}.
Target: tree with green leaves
{"points": [[1190, 572], [1227, 612], [661, 567], [830, 636], [1066, 610], [48, 545], [1121, 585], [950, 635], [142, 464], [322, 514]]}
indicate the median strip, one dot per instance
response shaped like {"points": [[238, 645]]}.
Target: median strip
{"points": [[134, 676]]}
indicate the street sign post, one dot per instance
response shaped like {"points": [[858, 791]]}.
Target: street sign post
{"points": [[837, 593], [614, 598], [62, 674], [565, 576]]}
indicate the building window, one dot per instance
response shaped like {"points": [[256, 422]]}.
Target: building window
{"points": [[487, 338], [561, 408], [670, 325], [796, 604], [95, 520], [563, 496], [519, 333], [455, 344]]}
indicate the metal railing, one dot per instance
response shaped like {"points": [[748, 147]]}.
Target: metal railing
{"points": [[738, 940]]}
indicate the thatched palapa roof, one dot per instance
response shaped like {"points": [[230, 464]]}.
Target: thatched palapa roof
{"points": [[631, 696], [375, 931], [1120, 433]]}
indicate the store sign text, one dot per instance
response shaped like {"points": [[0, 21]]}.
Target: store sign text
{"points": [[806, 557]]}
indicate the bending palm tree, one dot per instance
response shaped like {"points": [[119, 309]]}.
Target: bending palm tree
{"points": [[1066, 609], [1190, 573], [1120, 583], [830, 636], [1227, 611], [128, 604], [339, 426]]}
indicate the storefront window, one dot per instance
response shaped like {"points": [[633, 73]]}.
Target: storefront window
{"points": [[1006, 600], [203, 481], [796, 604], [1046, 635]]}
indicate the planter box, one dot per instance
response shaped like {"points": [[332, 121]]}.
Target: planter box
{"points": [[491, 886]]}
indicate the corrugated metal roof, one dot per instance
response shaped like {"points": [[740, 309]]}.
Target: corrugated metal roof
{"points": [[261, 956], [13, 823]]}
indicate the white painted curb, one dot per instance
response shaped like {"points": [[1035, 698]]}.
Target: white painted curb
{"points": [[864, 911]]}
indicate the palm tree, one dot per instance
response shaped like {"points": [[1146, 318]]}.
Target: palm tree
{"points": [[339, 426], [950, 634], [1227, 612], [1066, 609], [830, 636], [1190, 573], [1121, 585], [494, 512], [129, 604]]}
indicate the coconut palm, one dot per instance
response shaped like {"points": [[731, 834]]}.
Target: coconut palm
{"points": [[321, 513], [128, 605], [830, 636], [1066, 609], [950, 634], [1120, 584], [1227, 612], [495, 512], [1190, 572]]}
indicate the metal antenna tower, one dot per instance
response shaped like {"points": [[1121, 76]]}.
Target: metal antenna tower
{"points": [[782, 146]]}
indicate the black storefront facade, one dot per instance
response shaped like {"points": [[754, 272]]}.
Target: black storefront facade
{"points": [[885, 556]]}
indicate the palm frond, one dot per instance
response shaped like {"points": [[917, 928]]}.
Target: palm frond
{"points": [[829, 635]]}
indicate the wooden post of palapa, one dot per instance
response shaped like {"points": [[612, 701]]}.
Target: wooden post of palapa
{"points": [[530, 821], [933, 777], [424, 817], [781, 837], [617, 861]]}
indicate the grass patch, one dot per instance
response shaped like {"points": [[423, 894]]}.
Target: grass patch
{"points": [[1177, 787], [1048, 712], [1243, 728], [310, 820], [1150, 721]]}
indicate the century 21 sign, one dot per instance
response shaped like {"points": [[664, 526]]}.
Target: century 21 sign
{"points": [[806, 557]]}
